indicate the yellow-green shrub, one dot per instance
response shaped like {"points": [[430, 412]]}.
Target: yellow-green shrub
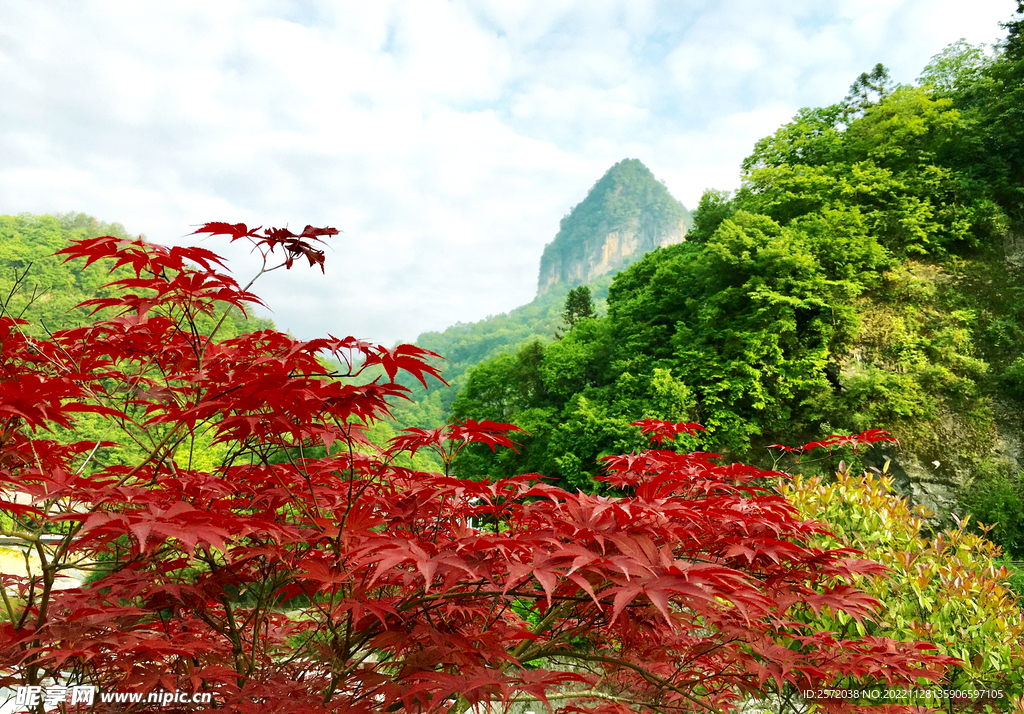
{"points": [[945, 589]]}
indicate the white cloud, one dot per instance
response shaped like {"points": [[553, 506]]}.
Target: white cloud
{"points": [[446, 139]]}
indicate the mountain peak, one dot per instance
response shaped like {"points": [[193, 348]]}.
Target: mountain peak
{"points": [[627, 213]]}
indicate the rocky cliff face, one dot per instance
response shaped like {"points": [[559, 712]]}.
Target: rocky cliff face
{"points": [[626, 214]]}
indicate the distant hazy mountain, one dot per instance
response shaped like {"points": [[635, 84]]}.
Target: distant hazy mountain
{"points": [[625, 215]]}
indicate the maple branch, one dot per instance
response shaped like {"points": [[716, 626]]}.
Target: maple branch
{"points": [[648, 676], [47, 570], [21, 535], [76, 528], [88, 458], [596, 694], [227, 311], [149, 457], [545, 622], [294, 499], [16, 283], [231, 631], [29, 600], [7, 603]]}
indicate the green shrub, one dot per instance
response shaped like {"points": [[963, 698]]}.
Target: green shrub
{"points": [[995, 497]]}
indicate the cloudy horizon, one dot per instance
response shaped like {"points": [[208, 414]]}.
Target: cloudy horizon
{"points": [[445, 139]]}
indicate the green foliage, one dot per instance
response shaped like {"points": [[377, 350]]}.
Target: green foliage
{"points": [[995, 497], [914, 367], [991, 152], [1013, 46], [505, 385], [34, 284], [888, 165], [759, 338], [813, 138], [578, 306], [869, 88], [956, 69], [948, 590], [571, 418], [714, 207], [1015, 568]]}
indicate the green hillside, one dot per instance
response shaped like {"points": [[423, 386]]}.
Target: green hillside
{"points": [[39, 287], [465, 345]]}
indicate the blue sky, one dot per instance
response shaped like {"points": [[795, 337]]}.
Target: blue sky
{"points": [[446, 139]]}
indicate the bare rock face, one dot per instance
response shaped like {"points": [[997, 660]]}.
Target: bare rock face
{"points": [[625, 215], [610, 250], [1013, 250], [933, 484]]}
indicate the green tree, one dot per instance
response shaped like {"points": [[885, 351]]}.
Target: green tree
{"points": [[958, 67], [995, 497], [1001, 109], [579, 305], [714, 207], [869, 88], [813, 138]]}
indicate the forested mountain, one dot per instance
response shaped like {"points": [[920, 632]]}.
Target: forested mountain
{"points": [[626, 214], [866, 275]]}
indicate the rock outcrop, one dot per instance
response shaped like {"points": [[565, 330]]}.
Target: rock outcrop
{"points": [[625, 215]]}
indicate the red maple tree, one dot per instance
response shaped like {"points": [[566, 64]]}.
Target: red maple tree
{"points": [[307, 572]]}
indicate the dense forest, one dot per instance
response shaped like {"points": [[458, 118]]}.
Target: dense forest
{"points": [[37, 286], [865, 275]]}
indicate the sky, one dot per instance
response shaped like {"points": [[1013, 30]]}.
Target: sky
{"points": [[444, 139]]}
